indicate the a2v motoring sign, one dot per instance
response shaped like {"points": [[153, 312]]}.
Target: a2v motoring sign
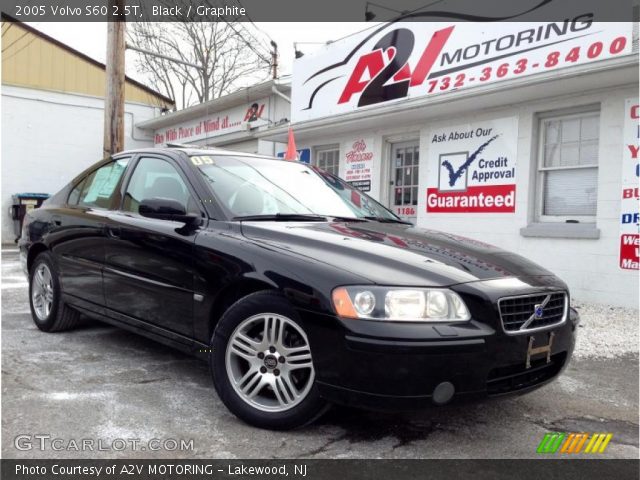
{"points": [[473, 168], [404, 60]]}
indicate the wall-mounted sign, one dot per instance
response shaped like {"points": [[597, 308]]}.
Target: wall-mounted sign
{"points": [[403, 60], [630, 195], [358, 161], [304, 155], [232, 120], [472, 168]]}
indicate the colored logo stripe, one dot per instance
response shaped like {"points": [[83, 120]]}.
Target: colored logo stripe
{"points": [[598, 443], [574, 443], [552, 442]]}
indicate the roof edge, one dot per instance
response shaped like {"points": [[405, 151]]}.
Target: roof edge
{"points": [[243, 95], [8, 18]]}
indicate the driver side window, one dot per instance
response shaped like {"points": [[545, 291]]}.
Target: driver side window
{"points": [[154, 178]]}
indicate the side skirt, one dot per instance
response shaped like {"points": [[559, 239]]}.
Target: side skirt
{"points": [[153, 332]]}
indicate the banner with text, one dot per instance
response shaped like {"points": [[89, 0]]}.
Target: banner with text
{"points": [[473, 168], [237, 119], [630, 216]]}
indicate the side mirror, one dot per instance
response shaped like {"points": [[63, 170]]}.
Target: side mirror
{"points": [[166, 209]]}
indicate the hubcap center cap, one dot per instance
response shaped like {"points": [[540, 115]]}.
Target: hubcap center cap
{"points": [[270, 361]]}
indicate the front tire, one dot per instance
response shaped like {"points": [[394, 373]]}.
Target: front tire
{"points": [[262, 365], [49, 312]]}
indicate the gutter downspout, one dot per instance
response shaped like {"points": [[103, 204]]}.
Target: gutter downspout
{"points": [[280, 94]]}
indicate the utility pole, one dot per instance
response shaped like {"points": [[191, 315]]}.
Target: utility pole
{"points": [[114, 91], [274, 59]]}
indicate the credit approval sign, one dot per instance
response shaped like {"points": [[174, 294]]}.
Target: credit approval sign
{"points": [[472, 167], [401, 60]]}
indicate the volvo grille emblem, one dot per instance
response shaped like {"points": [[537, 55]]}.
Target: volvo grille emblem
{"points": [[539, 311]]}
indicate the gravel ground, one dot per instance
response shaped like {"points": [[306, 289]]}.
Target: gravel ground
{"points": [[605, 331], [103, 383]]}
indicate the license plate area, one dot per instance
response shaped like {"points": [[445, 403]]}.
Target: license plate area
{"points": [[540, 344]]}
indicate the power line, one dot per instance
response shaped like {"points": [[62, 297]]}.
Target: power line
{"points": [[7, 47], [20, 49]]}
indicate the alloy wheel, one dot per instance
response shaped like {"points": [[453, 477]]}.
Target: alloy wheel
{"points": [[268, 362], [42, 292]]}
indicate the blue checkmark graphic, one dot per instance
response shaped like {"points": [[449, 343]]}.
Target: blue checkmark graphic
{"points": [[455, 175]]}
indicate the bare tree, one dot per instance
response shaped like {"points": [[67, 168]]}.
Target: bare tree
{"points": [[228, 55]]}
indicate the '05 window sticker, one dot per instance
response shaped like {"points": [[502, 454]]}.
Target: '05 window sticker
{"points": [[202, 160]]}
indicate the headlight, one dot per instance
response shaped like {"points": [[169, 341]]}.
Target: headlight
{"points": [[400, 304]]}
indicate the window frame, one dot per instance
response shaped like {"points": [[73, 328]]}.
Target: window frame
{"points": [[131, 170], [327, 148], [541, 170]]}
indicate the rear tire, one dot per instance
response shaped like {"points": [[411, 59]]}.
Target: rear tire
{"points": [[261, 364], [48, 310]]}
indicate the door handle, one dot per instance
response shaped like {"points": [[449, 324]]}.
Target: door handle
{"points": [[114, 232]]}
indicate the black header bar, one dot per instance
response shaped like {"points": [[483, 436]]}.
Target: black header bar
{"points": [[314, 10]]}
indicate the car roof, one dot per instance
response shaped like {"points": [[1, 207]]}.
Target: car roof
{"points": [[196, 150]]}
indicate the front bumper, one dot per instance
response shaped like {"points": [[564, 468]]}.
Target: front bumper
{"points": [[399, 366]]}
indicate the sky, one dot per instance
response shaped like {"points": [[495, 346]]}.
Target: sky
{"points": [[90, 38]]}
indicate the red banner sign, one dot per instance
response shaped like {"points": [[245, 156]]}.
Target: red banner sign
{"points": [[629, 247], [477, 199]]}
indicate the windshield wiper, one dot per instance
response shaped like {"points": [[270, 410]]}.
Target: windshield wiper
{"points": [[347, 219], [283, 217], [388, 220]]}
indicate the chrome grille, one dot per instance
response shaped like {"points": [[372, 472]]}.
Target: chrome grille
{"points": [[518, 314]]}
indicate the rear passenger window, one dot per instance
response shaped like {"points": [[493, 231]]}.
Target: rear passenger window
{"points": [[99, 188]]}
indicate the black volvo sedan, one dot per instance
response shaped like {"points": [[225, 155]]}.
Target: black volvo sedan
{"points": [[298, 289]]}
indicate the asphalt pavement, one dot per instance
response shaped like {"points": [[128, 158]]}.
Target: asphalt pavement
{"points": [[129, 397]]}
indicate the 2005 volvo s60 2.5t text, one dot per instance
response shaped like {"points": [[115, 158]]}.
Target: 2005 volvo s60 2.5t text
{"points": [[299, 290]]}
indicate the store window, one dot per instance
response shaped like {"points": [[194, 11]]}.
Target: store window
{"points": [[328, 159], [568, 167]]}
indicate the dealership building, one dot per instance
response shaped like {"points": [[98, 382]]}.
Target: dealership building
{"points": [[520, 135]]}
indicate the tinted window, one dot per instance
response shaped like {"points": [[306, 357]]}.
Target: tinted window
{"points": [[74, 196], [99, 187], [157, 178]]}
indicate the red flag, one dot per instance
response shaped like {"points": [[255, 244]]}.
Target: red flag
{"points": [[291, 153]]}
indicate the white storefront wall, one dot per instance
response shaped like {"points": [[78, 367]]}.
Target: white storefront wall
{"points": [[49, 137], [590, 266]]}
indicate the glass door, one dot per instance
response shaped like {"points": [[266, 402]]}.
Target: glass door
{"points": [[403, 196]]}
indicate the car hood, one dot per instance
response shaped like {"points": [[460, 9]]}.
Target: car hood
{"points": [[393, 254]]}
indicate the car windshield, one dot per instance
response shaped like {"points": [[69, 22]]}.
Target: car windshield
{"points": [[250, 187]]}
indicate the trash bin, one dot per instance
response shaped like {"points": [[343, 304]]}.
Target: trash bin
{"points": [[23, 203]]}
